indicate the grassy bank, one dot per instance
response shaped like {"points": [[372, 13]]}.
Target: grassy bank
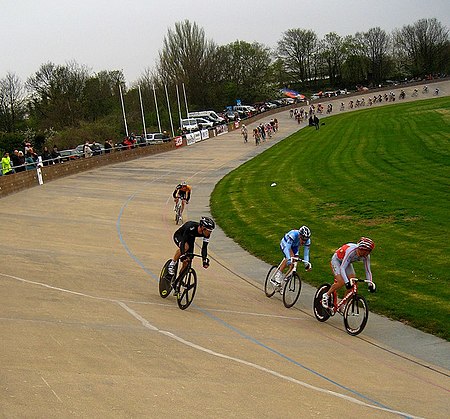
{"points": [[382, 172]]}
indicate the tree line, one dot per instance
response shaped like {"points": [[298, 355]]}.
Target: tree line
{"points": [[68, 104]]}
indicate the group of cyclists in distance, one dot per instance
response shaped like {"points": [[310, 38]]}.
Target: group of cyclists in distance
{"points": [[341, 261]]}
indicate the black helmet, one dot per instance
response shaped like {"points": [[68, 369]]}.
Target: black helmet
{"points": [[305, 232], [207, 223]]}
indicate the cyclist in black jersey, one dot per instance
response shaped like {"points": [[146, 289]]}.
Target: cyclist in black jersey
{"points": [[185, 237]]}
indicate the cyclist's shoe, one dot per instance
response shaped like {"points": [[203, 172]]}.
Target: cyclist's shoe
{"points": [[171, 269], [325, 300], [276, 280]]}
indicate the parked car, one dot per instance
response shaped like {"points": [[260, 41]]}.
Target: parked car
{"points": [[271, 105], [204, 123], [156, 138], [231, 115], [70, 154], [189, 124]]}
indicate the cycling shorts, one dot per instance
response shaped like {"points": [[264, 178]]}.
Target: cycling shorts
{"points": [[336, 268]]}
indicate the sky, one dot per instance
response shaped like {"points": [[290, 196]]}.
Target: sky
{"points": [[127, 35]]}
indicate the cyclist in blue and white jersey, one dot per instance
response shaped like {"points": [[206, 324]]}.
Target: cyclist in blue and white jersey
{"points": [[289, 245]]}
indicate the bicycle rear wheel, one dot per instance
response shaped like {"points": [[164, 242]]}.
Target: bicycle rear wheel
{"points": [[292, 288], [164, 281], [356, 313], [269, 288], [321, 313], [187, 288]]}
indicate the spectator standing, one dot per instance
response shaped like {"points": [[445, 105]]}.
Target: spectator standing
{"points": [[316, 122], [21, 160], [6, 165], [108, 146], [55, 155], [29, 160], [87, 150], [244, 132], [46, 157], [15, 160]]}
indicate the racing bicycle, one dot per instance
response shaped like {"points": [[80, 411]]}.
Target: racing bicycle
{"points": [[353, 307], [184, 285], [178, 212], [290, 286]]}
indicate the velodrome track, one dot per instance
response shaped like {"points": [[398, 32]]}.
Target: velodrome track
{"points": [[85, 333]]}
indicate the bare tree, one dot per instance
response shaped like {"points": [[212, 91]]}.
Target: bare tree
{"points": [[332, 51], [12, 100], [377, 43], [297, 49], [423, 47]]}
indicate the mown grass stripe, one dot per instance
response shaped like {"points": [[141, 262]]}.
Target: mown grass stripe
{"points": [[381, 172]]}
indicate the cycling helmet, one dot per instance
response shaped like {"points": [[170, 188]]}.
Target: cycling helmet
{"points": [[183, 183], [366, 244], [305, 232], [207, 223]]}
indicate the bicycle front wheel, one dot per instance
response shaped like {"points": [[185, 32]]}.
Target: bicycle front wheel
{"points": [[164, 281], [356, 313], [292, 288], [269, 288], [321, 313], [188, 286]]}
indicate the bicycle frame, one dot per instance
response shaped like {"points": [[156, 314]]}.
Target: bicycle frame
{"points": [[292, 266], [353, 291]]}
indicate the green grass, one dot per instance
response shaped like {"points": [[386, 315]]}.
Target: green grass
{"points": [[381, 172]]}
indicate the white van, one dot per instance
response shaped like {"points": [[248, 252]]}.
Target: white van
{"points": [[189, 124], [211, 115]]}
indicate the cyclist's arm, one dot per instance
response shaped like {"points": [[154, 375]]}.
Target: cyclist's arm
{"points": [[306, 250], [175, 194], [367, 267], [205, 248], [188, 193]]}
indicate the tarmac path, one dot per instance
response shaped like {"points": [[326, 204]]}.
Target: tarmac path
{"points": [[86, 334]]}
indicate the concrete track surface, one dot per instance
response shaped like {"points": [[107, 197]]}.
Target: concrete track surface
{"points": [[86, 334]]}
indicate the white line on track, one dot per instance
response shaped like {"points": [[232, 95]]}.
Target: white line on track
{"points": [[145, 323]]}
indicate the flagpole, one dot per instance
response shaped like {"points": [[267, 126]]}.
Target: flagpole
{"points": [[156, 106], [179, 106], [142, 112], [170, 112], [185, 101], [123, 110]]}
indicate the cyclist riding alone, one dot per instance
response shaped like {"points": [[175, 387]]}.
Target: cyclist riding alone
{"points": [[185, 237], [341, 264], [183, 192], [289, 245]]}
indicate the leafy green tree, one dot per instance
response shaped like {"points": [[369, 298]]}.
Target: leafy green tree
{"points": [[186, 59], [101, 94], [245, 72], [57, 94]]}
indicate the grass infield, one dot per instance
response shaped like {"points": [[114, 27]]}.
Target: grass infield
{"points": [[380, 172]]}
